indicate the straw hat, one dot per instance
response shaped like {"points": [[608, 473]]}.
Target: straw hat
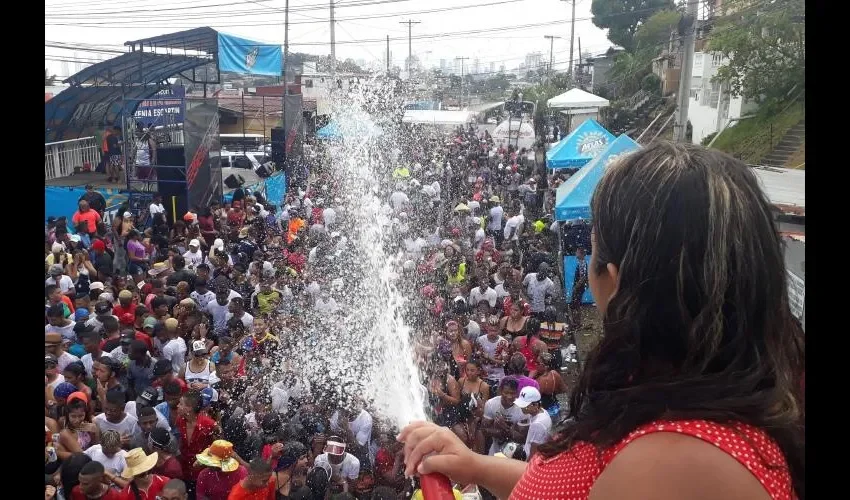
{"points": [[219, 455], [461, 207], [138, 463], [158, 268]]}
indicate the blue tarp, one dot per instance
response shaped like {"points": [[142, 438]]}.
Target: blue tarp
{"points": [[356, 129], [572, 200], [570, 263], [274, 186], [582, 145], [60, 200]]}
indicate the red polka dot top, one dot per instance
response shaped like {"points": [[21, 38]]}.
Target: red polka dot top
{"points": [[569, 476]]}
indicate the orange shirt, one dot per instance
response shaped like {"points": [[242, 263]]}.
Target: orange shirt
{"points": [[68, 302], [90, 217], [240, 493], [295, 225]]}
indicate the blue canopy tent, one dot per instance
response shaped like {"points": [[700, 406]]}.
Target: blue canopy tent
{"points": [[355, 129], [582, 145], [572, 200]]}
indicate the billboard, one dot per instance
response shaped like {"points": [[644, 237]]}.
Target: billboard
{"points": [[249, 57], [203, 158], [166, 107]]}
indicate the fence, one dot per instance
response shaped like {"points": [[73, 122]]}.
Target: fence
{"points": [[61, 158]]}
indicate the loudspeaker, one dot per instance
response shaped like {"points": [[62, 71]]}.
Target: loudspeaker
{"points": [[234, 181], [278, 145], [172, 179], [265, 170]]}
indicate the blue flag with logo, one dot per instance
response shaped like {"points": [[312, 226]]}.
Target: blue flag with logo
{"points": [[239, 55], [582, 145]]}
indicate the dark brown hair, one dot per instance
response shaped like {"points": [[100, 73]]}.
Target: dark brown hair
{"points": [[699, 326]]}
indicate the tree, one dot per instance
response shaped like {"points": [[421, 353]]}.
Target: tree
{"points": [[654, 33], [766, 48], [623, 17], [49, 79]]}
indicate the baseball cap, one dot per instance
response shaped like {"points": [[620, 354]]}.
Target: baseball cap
{"points": [[102, 308], [127, 215], [125, 294], [81, 313], [150, 322], [63, 390], [96, 285], [98, 245], [528, 395], [195, 243], [49, 358], [148, 397], [52, 338], [56, 270], [199, 347], [162, 367], [218, 243], [57, 248], [127, 336], [107, 296]]}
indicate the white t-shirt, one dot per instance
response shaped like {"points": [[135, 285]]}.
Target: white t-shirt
{"points": [[67, 332], [538, 431], [493, 408], [349, 468], [203, 299], [514, 224], [175, 351], [66, 359], [537, 291], [479, 238], [156, 208], [496, 215], [115, 465], [473, 331], [398, 200], [219, 314], [246, 319], [127, 427], [326, 306], [493, 372], [161, 421], [329, 217], [88, 362], [65, 282], [501, 292], [476, 296], [193, 259], [361, 426]]}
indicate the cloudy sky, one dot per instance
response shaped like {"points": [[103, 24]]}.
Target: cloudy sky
{"points": [[498, 31]]}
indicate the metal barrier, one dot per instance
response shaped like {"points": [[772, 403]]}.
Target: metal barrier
{"points": [[61, 158]]}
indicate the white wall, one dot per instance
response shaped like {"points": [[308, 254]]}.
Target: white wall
{"points": [[709, 105]]}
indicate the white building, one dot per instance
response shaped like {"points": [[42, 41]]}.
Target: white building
{"points": [[317, 85], [710, 105]]}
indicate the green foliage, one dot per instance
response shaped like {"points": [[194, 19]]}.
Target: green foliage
{"points": [[651, 83], [766, 47], [654, 33], [623, 17], [753, 138]]}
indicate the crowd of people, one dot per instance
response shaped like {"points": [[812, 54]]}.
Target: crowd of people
{"points": [[176, 351], [220, 356]]}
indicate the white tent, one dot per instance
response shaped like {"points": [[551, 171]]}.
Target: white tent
{"points": [[436, 117], [520, 133], [577, 99]]}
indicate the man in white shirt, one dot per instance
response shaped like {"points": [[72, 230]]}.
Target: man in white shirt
{"points": [[513, 227], [156, 206], [62, 280], [344, 467], [360, 428], [237, 310], [538, 286], [482, 292], [399, 200], [540, 424], [494, 226], [219, 309], [193, 256], [500, 414], [202, 295], [114, 418], [173, 345]]}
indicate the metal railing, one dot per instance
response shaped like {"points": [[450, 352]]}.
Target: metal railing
{"points": [[61, 158]]}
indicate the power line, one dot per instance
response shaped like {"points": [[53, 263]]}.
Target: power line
{"points": [[308, 8]]}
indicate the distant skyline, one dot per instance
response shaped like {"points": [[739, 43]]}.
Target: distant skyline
{"points": [[501, 33]]}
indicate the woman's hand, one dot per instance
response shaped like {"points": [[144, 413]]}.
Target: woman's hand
{"points": [[429, 448]]}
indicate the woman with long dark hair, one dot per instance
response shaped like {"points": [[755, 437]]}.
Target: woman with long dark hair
{"points": [[694, 389]]}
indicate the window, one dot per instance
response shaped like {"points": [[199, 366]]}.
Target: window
{"points": [[716, 60], [308, 84]]}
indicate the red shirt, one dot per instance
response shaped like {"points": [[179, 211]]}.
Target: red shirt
{"points": [[171, 468], [182, 383], [240, 493], [118, 310], [213, 484], [296, 261], [157, 484], [202, 438], [111, 494], [507, 302], [139, 336]]}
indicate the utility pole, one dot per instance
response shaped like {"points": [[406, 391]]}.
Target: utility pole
{"points": [[688, 41], [388, 55], [333, 43], [580, 66], [460, 99], [572, 34], [551, 53], [285, 64], [409, 24]]}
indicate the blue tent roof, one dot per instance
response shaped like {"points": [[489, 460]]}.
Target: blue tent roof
{"points": [[356, 129], [572, 200], [581, 146]]}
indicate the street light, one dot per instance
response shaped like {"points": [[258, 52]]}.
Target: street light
{"points": [[551, 46]]}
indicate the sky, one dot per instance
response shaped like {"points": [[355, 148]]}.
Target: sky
{"points": [[498, 31]]}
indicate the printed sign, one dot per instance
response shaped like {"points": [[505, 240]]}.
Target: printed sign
{"points": [[167, 106], [796, 295]]}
